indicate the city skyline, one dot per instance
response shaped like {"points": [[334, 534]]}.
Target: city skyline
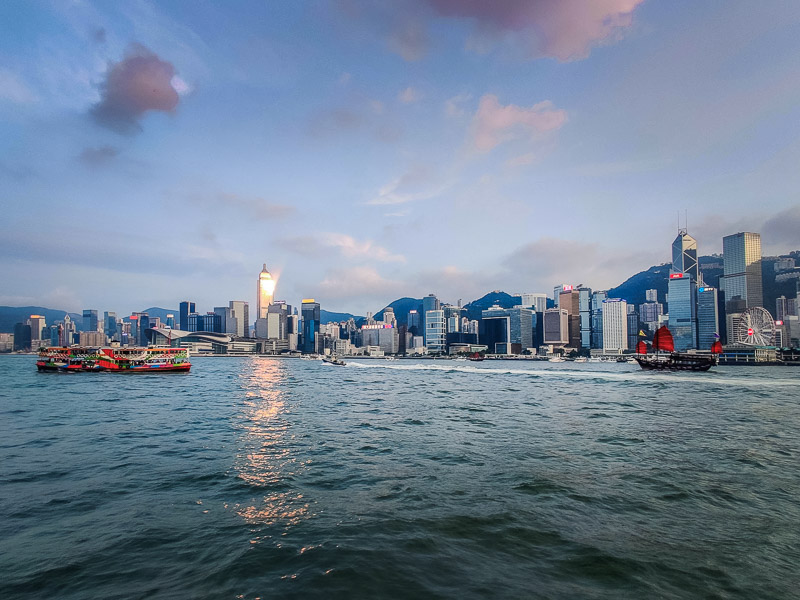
{"points": [[458, 149]]}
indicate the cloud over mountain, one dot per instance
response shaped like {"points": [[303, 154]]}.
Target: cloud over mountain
{"points": [[140, 82]]}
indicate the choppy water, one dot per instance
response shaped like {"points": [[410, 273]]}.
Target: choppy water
{"points": [[268, 478]]}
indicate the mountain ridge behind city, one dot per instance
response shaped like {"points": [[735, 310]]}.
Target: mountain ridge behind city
{"points": [[632, 289]]}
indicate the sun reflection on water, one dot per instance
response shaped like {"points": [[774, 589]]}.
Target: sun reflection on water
{"points": [[265, 458]]}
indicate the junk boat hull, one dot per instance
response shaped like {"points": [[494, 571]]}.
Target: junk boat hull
{"points": [[115, 360], [676, 362]]}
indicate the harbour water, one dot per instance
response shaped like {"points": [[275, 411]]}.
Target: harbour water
{"points": [[268, 478]]}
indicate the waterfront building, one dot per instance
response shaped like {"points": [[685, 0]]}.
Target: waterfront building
{"points": [[429, 302], [383, 335], [707, 317], [90, 322], [22, 337], [170, 321], [310, 313], [184, 310], [210, 322], [557, 292], [633, 326], [615, 325], [569, 300], [435, 331], [598, 298], [506, 330], [38, 328], [556, 327], [7, 342], [741, 255], [682, 309], [585, 308]]}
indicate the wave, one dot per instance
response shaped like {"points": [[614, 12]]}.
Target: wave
{"points": [[711, 378]]}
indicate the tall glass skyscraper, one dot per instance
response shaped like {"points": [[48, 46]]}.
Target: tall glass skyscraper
{"points": [[707, 317], [741, 262], [429, 302], [185, 309], [310, 314], [264, 293], [90, 321], [683, 310]]}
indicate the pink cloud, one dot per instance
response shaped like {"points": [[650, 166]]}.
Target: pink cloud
{"points": [[563, 29], [494, 124], [139, 83]]}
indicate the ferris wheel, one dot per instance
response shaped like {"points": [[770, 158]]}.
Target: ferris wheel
{"points": [[755, 327]]}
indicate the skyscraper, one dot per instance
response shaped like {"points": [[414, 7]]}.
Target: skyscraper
{"points": [[37, 323], [507, 330], [741, 261], [435, 331], [556, 327], [615, 325], [536, 302], [429, 302], [310, 314], [707, 317], [569, 300], [186, 308], [264, 293], [110, 323], [684, 255], [682, 309], [90, 320], [585, 306]]}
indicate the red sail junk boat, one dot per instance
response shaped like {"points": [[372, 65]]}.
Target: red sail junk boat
{"points": [[665, 358]]}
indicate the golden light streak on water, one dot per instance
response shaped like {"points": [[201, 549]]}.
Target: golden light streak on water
{"points": [[265, 459]]}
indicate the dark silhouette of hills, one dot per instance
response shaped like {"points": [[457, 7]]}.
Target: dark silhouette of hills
{"points": [[11, 315], [497, 297]]}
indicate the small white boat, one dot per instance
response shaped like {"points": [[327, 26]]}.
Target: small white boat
{"points": [[556, 359]]}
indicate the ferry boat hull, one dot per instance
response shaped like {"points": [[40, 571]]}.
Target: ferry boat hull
{"points": [[115, 360]]}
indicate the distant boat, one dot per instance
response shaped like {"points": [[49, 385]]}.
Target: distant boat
{"points": [[475, 356], [671, 360], [115, 360], [581, 359], [556, 359], [334, 360]]}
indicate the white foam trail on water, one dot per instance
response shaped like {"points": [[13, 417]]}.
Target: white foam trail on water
{"points": [[710, 378]]}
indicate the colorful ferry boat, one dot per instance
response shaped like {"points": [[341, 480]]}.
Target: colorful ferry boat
{"points": [[118, 360]]}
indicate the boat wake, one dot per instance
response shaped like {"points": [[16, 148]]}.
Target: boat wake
{"points": [[709, 378]]}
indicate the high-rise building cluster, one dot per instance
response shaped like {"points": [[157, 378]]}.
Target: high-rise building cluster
{"points": [[577, 318]]}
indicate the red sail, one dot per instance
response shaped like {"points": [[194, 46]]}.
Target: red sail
{"points": [[662, 340], [716, 347], [641, 347]]}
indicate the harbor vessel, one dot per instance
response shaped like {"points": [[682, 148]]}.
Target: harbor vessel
{"points": [[334, 360], [664, 357], [115, 360]]}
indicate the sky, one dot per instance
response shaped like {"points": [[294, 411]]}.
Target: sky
{"points": [[152, 152]]}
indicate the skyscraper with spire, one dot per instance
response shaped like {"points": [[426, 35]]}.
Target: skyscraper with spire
{"points": [[266, 289], [682, 290]]}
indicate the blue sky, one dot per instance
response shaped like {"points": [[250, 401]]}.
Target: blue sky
{"points": [[153, 152]]}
